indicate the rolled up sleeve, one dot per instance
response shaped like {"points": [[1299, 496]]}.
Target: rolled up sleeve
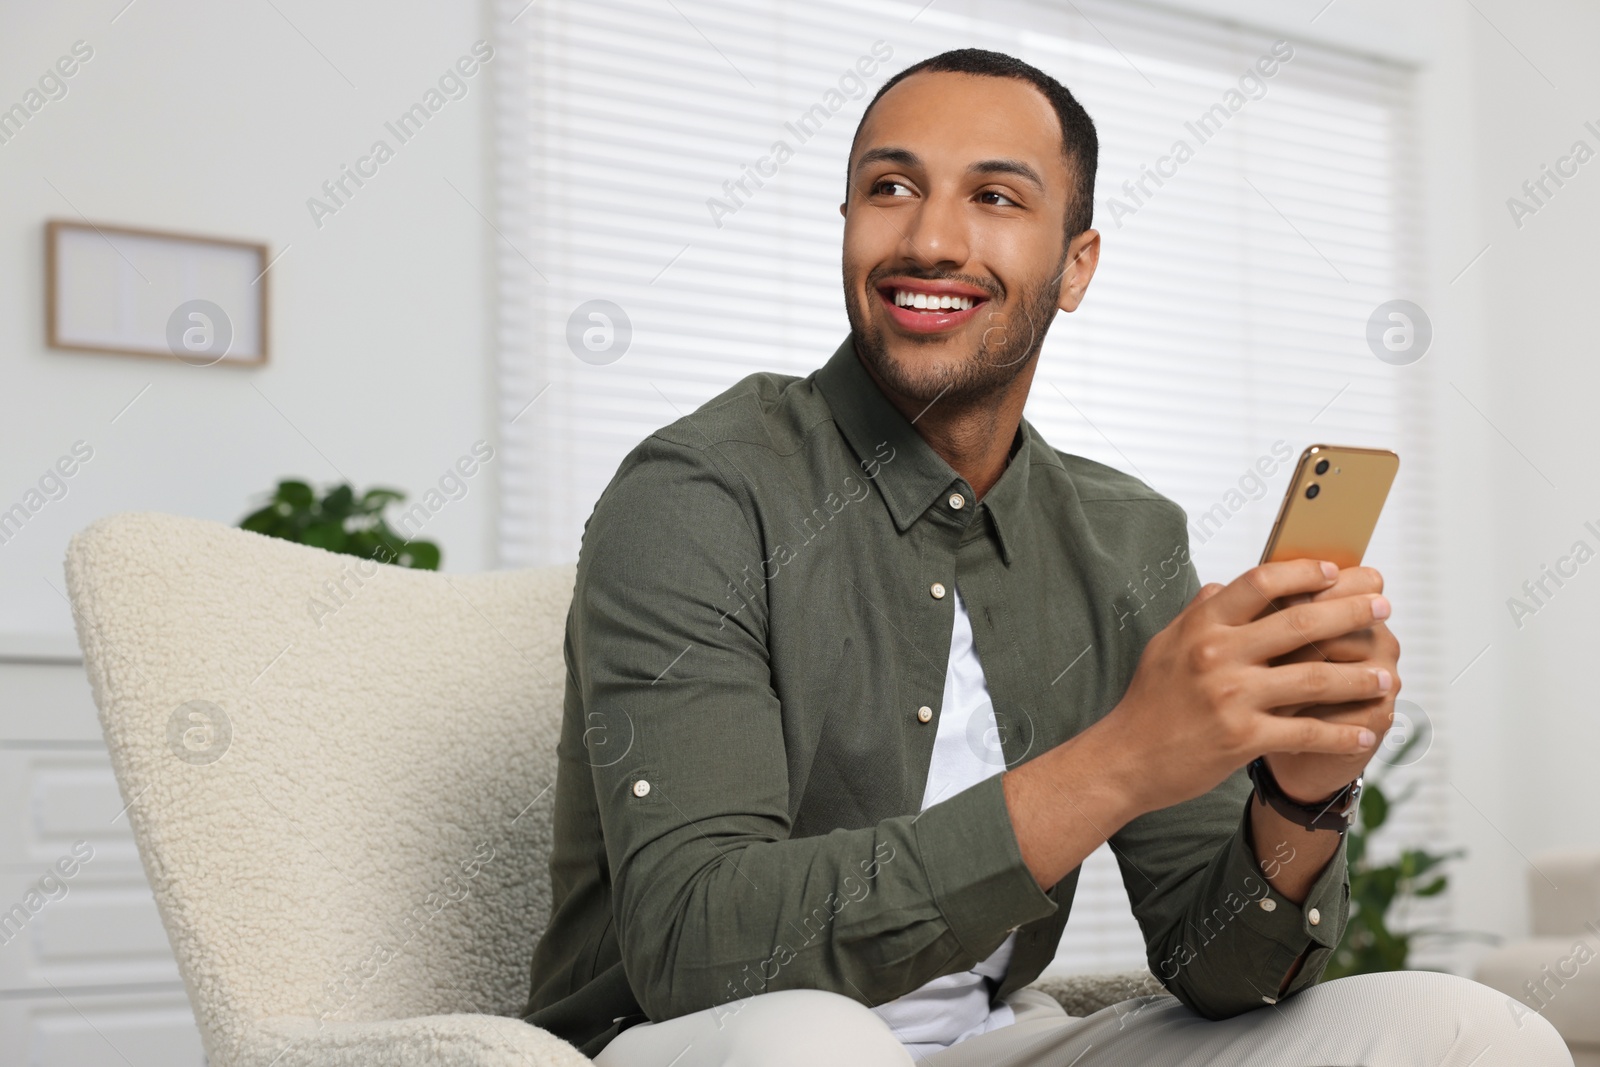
{"points": [[1218, 935]]}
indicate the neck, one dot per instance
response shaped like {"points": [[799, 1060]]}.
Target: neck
{"points": [[974, 435]]}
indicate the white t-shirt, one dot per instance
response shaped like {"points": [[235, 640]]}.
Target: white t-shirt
{"points": [[965, 752]]}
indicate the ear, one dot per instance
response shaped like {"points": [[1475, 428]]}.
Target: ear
{"points": [[1083, 256], [842, 206]]}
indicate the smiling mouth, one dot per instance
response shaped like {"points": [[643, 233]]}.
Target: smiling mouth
{"points": [[920, 301], [925, 311]]}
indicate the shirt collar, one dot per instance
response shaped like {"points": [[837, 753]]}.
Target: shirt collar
{"points": [[917, 476]]}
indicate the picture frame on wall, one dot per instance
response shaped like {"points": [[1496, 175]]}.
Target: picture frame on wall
{"points": [[140, 292]]}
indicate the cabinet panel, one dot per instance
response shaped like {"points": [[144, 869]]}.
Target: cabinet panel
{"points": [[99, 927], [52, 798], [46, 702], [83, 1030]]}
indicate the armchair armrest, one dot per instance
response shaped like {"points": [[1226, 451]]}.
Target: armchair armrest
{"points": [[1564, 912], [1549, 975], [461, 1040], [1084, 994]]}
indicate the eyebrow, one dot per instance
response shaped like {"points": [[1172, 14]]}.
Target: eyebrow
{"points": [[1008, 166], [906, 158], [903, 156]]}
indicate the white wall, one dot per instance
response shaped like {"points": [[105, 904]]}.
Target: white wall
{"points": [[223, 119], [1537, 382], [1503, 88]]}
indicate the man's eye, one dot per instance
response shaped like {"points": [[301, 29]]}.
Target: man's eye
{"points": [[990, 196], [886, 187]]}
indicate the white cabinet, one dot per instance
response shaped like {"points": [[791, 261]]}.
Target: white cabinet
{"points": [[87, 976]]}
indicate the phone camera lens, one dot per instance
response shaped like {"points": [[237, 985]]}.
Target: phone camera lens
{"points": [[1312, 490], [1322, 467]]}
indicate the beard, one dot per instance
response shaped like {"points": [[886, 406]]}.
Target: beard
{"points": [[1009, 342]]}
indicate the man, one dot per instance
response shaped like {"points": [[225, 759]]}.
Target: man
{"points": [[860, 670]]}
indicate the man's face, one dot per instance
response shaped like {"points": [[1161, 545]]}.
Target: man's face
{"points": [[957, 203]]}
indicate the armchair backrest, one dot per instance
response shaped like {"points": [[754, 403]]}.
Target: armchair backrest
{"points": [[338, 773]]}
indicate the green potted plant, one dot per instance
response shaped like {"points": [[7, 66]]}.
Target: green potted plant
{"points": [[1380, 894], [341, 521]]}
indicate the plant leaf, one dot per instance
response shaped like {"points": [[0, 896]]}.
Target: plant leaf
{"points": [[328, 535], [422, 555], [339, 502], [295, 494], [1374, 807], [261, 521], [376, 498]]}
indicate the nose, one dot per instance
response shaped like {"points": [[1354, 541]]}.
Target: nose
{"points": [[937, 236]]}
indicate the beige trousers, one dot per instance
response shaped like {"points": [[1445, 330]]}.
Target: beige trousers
{"points": [[1402, 1019]]}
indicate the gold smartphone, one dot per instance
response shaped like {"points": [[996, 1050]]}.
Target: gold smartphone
{"points": [[1332, 504]]}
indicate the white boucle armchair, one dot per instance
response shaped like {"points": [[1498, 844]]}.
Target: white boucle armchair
{"points": [[1556, 971], [338, 775]]}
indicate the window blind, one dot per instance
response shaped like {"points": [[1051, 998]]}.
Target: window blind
{"points": [[639, 165]]}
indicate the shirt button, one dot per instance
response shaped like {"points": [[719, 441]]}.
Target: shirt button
{"points": [[1268, 904], [1313, 916], [957, 501], [641, 788], [924, 713], [937, 589]]}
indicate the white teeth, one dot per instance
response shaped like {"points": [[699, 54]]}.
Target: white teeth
{"points": [[905, 298]]}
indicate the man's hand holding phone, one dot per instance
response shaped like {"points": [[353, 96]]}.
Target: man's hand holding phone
{"points": [[1234, 677], [1292, 662]]}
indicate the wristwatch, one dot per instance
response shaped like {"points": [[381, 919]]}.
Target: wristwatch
{"points": [[1337, 812]]}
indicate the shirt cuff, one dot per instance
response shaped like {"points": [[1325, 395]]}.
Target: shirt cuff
{"points": [[974, 866], [1285, 928]]}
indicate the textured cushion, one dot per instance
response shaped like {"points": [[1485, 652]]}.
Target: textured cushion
{"points": [[337, 776]]}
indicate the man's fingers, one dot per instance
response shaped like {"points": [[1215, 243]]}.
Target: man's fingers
{"points": [[1305, 624], [1375, 714], [1323, 683], [1248, 595], [1308, 734], [1346, 648], [1352, 581]]}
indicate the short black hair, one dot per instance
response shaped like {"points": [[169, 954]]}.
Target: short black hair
{"points": [[1079, 143]]}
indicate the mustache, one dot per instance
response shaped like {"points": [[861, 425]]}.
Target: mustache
{"points": [[995, 290]]}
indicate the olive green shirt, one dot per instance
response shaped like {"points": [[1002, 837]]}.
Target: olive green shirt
{"points": [[756, 654]]}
